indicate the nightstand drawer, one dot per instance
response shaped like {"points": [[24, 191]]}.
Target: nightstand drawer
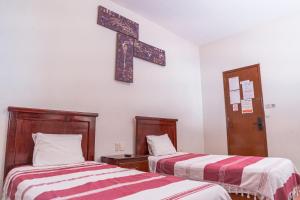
{"points": [[138, 162], [138, 165]]}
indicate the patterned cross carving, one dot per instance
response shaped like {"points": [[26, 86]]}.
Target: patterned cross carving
{"points": [[128, 45]]}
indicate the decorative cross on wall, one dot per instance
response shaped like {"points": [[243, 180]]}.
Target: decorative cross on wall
{"points": [[128, 45]]}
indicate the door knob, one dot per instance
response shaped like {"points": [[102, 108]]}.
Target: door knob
{"points": [[260, 123]]}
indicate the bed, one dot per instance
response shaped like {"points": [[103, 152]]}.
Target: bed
{"points": [[85, 180], [243, 177]]}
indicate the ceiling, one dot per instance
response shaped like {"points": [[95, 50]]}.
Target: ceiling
{"points": [[204, 21]]}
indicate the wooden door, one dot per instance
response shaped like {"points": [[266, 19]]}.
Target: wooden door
{"points": [[246, 129]]}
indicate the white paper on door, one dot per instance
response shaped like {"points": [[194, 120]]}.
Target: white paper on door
{"points": [[248, 89], [235, 107], [234, 83], [247, 106], [235, 96]]}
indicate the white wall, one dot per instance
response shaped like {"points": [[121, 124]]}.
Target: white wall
{"points": [[276, 48], [53, 55]]}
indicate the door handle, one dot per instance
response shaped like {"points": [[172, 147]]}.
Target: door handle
{"points": [[259, 123]]}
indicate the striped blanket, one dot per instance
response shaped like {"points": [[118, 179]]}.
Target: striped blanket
{"points": [[267, 178], [91, 181]]}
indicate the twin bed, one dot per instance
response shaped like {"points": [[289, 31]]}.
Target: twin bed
{"points": [[247, 176], [263, 178], [86, 180]]}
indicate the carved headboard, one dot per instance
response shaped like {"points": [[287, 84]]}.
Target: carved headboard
{"points": [[25, 121], [153, 126]]}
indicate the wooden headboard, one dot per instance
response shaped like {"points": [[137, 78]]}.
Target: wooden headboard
{"points": [[25, 121], [153, 126]]}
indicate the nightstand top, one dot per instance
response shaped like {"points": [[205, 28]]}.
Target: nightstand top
{"points": [[122, 156]]}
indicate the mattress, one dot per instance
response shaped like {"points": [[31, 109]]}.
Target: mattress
{"points": [[266, 178], [92, 180]]}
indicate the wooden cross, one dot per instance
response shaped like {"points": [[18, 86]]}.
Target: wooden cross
{"points": [[128, 45]]}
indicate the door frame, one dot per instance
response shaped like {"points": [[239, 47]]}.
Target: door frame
{"points": [[261, 101]]}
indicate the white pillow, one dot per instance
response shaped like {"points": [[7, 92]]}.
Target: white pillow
{"points": [[57, 149], [160, 145]]}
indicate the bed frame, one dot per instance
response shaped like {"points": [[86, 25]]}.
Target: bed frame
{"points": [[153, 126], [159, 126], [23, 122]]}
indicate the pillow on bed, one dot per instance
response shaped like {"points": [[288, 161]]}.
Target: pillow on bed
{"points": [[57, 149], [160, 145]]}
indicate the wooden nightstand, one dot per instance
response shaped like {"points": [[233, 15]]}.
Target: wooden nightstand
{"points": [[138, 162]]}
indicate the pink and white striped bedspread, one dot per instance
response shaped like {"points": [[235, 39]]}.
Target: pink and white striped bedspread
{"points": [[270, 178], [93, 181]]}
